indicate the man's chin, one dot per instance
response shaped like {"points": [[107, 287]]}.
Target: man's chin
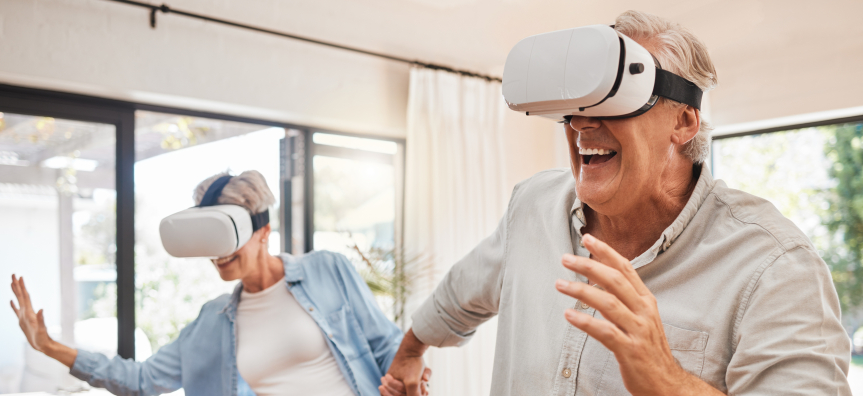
{"points": [[593, 193]]}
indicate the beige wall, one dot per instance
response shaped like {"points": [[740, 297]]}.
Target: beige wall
{"points": [[108, 49]]}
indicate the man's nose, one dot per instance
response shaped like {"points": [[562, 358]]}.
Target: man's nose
{"points": [[584, 124]]}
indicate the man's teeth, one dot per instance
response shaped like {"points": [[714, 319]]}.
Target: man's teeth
{"points": [[594, 151]]}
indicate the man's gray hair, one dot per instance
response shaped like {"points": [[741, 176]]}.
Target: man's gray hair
{"points": [[248, 189], [680, 52]]}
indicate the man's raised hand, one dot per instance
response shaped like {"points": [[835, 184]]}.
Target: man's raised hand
{"points": [[632, 330]]}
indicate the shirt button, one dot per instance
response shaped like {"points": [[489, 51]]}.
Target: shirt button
{"points": [[580, 215], [311, 309], [584, 305], [330, 335], [566, 373]]}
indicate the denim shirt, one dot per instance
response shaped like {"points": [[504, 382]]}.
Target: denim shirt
{"points": [[203, 358]]}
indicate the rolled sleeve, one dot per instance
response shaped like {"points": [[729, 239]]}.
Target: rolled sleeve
{"points": [[790, 336], [430, 327], [468, 295], [85, 364]]}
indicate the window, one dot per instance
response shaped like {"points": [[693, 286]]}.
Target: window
{"points": [[356, 205], [58, 205], [85, 181], [814, 176], [173, 154]]}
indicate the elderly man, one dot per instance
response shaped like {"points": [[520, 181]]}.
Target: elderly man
{"points": [[671, 283]]}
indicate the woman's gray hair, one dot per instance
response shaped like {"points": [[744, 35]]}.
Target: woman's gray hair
{"points": [[680, 52], [248, 189]]}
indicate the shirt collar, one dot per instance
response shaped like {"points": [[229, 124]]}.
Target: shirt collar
{"points": [[293, 274], [699, 194]]}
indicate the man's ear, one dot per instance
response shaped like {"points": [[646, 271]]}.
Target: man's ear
{"points": [[687, 125]]}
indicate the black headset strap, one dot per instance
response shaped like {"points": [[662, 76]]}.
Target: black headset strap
{"points": [[260, 219], [214, 191], [674, 87]]}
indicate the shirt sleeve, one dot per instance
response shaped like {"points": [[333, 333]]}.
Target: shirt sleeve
{"points": [[161, 373], [382, 335], [467, 296], [789, 337]]}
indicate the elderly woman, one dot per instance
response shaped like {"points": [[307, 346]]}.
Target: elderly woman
{"points": [[635, 272], [294, 325]]}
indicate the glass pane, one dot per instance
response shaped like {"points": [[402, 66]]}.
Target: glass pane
{"points": [[354, 205], [173, 154], [58, 231], [813, 176]]}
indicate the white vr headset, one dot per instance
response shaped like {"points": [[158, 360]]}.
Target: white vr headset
{"points": [[591, 71], [210, 230]]}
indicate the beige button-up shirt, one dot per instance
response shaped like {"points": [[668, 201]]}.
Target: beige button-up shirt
{"points": [[747, 304]]}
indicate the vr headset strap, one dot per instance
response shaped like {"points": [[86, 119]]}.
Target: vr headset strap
{"points": [[214, 191], [260, 219], [674, 87]]}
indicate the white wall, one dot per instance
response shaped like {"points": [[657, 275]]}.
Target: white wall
{"points": [[108, 49]]}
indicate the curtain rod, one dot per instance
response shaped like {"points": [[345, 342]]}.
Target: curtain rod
{"points": [[164, 8]]}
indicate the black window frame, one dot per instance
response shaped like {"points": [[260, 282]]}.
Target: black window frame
{"points": [[121, 114]]}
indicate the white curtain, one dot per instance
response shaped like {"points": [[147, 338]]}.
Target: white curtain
{"points": [[455, 194]]}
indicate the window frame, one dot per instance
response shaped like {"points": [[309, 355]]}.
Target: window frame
{"points": [[121, 114]]}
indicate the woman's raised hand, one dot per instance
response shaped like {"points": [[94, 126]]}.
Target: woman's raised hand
{"points": [[33, 325]]}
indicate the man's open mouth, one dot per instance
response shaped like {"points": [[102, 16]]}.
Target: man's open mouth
{"points": [[595, 156]]}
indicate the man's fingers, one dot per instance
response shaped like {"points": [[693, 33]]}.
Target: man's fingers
{"points": [[603, 331], [426, 374], [12, 303], [41, 318], [608, 278], [606, 303], [608, 256]]}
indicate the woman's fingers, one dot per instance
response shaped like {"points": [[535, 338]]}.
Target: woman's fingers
{"points": [[12, 303], [393, 384], [15, 289], [25, 293], [386, 391], [41, 317]]}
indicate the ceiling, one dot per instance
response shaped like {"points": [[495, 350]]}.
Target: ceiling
{"points": [[774, 58]]}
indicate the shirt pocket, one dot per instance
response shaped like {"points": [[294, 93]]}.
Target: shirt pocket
{"points": [[687, 347]]}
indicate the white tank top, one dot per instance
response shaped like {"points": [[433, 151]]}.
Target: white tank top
{"points": [[280, 348]]}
